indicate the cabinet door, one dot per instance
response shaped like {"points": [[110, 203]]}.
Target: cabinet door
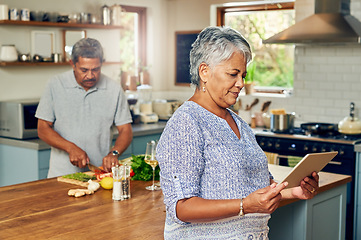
{"points": [[140, 143]]}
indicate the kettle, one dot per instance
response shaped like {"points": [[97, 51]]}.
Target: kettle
{"points": [[8, 53], [350, 124]]}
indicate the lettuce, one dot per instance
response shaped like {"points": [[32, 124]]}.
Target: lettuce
{"points": [[143, 171]]}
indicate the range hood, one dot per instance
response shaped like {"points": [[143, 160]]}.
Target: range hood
{"points": [[331, 24]]}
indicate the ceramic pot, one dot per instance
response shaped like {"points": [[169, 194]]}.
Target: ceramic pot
{"points": [[8, 53]]}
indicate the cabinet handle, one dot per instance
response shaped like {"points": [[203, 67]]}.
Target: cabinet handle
{"points": [[335, 163]]}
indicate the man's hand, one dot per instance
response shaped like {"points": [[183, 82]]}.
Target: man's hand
{"points": [[109, 161], [78, 157]]}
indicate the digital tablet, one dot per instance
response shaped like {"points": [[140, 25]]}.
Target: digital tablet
{"points": [[312, 162]]}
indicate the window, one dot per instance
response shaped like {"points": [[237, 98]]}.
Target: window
{"points": [[273, 63], [133, 39]]}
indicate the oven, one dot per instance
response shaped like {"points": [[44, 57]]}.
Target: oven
{"points": [[294, 146]]}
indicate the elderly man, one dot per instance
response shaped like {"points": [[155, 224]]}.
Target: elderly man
{"points": [[77, 111]]}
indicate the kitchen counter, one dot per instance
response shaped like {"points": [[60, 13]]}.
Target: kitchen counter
{"points": [[38, 144], [42, 210]]}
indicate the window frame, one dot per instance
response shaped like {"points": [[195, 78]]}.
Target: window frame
{"points": [[142, 30], [255, 6]]}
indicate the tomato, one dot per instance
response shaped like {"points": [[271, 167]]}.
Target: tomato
{"points": [[102, 174], [131, 173]]}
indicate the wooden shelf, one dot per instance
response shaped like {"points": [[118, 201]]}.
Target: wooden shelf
{"points": [[10, 64], [58, 24]]}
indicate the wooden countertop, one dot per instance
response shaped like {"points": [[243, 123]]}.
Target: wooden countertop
{"points": [[43, 210]]}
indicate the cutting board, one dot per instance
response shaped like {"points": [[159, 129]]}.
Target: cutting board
{"points": [[76, 182]]}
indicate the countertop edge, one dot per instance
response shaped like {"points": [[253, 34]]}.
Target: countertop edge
{"points": [[38, 144]]}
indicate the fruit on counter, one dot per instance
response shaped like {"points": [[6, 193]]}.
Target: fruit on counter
{"points": [[79, 192], [107, 183], [80, 177], [93, 186]]}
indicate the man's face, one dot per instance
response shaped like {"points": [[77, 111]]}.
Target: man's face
{"points": [[87, 72]]}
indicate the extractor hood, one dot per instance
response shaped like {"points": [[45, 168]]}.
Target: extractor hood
{"points": [[331, 24]]}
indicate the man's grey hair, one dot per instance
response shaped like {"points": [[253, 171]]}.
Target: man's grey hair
{"points": [[215, 45], [87, 48]]}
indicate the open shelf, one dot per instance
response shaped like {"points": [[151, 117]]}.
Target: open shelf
{"points": [[9, 64], [57, 24]]}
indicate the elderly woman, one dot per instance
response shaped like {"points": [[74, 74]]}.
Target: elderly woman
{"points": [[214, 176]]}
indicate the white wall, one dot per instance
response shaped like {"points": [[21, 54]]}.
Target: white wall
{"points": [[326, 79], [29, 82]]}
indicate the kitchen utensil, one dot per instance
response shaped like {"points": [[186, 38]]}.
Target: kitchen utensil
{"points": [[266, 120], [14, 14], [318, 128], [8, 53], [282, 122], [106, 15], [4, 12], [165, 108], [351, 124], [116, 14], [24, 57], [265, 106], [95, 168], [25, 14], [37, 58], [150, 158], [255, 101]]}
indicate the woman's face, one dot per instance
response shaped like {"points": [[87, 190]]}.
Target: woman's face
{"points": [[224, 82]]}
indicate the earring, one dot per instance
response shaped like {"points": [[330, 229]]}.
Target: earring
{"points": [[203, 89]]}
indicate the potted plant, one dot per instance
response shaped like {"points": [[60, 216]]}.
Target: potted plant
{"points": [[249, 80]]}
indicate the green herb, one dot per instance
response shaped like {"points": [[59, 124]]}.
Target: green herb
{"points": [[143, 171], [80, 176]]}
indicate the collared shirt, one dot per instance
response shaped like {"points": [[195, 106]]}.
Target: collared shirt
{"points": [[82, 117], [200, 155]]}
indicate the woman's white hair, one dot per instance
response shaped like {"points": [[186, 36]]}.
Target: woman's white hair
{"points": [[215, 45]]}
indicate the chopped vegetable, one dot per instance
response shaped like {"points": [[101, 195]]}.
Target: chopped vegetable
{"points": [[80, 176], [99, 176], [79, 192], [143, 171], [93, 186]]}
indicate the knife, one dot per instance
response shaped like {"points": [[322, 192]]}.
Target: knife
{"points": [[95, 168]]}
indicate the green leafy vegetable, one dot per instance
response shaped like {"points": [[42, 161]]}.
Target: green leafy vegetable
{"points": [[143, 171], [80, 176]]}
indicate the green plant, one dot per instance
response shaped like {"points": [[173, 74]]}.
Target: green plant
{"points": [[143, 171], [251, 70]]}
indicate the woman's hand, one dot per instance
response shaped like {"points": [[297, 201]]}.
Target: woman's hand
{"points": [[308, 187], [264, 200]]}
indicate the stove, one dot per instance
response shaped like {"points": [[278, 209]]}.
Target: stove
{"points": [[298, 143]]}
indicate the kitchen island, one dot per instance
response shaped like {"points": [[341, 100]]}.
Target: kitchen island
{"points": [[42, 210], [32, 155]]}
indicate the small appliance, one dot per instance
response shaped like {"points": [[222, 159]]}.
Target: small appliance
{"points": [[145, 102], [17, 118]]}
